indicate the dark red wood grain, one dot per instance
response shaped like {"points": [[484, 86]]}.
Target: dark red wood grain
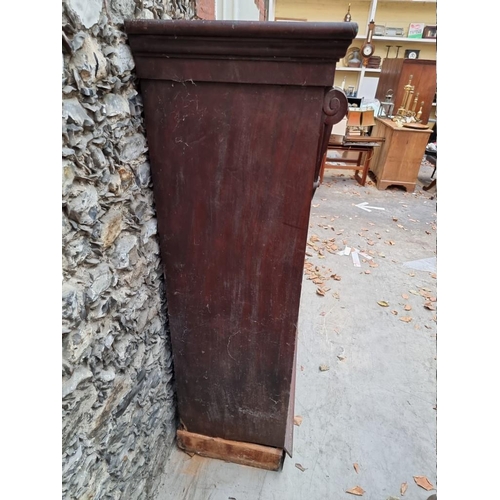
{"points": [[234, 139]]}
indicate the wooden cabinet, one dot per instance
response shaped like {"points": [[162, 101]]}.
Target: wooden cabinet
{"points": [[396, 74], [238, 116], [398, 161]]}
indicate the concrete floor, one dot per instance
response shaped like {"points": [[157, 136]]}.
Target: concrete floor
{"points": [[376, 404]]}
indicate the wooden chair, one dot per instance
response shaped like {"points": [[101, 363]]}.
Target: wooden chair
{"points": [[363, 145]]}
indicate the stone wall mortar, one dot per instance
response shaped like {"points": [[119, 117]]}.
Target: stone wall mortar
{"points": [[117, 382]]}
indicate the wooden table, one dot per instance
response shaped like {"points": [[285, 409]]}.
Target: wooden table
{"points": [[398, 161]]}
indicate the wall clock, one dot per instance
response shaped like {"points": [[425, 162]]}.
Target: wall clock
{"points": [[368, 48], [412, 54]]}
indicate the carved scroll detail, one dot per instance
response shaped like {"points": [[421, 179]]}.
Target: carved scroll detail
{"points": [[334, 109], [334, 106]]}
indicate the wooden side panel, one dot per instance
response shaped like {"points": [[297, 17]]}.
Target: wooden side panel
{"points": [[389, 78], [233, 181], [291, 408], [403, 168], [254, 455], [380, 154]]}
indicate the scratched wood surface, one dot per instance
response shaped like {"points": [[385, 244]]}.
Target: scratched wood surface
{"points": [[238, 116], [233, 191]]}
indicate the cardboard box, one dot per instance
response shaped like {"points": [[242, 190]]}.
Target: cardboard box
{"points": [[339, 131], [415, 30]]}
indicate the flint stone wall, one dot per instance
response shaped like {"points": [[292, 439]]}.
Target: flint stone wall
{"points": [[118, 407]]}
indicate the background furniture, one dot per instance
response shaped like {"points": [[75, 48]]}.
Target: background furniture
{"points": [[431, 156], [363, 145], [398, 161], [238, 116], [395, 75], [397, 14]]}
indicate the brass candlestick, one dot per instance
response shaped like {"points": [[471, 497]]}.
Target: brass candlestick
{"points": [[415, 102], [407, 89], [407, 112], [409, 101], [420, 111]]}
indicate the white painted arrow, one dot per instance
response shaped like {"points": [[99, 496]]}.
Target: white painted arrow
{"points": [[364, 206]]}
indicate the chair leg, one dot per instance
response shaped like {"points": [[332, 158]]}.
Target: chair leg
{"points": [[368, 159], [322, 169]]}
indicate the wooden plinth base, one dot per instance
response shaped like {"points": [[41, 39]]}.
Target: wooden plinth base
{"points": [[409, 186], [384, 184], [254, 455]]}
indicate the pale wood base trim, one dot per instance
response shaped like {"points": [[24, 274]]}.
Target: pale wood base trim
{"points": [[409, 186], [254, 455]]}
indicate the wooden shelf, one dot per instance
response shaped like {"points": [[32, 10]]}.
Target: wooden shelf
{"points": [[403, 39], [358, 70], [346, 68]]}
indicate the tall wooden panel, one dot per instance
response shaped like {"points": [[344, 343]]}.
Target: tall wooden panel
{"points": [[395, 75], [237, 115]]}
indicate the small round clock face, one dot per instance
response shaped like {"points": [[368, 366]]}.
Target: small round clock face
{"points": [[367, 50], [412, 55]]}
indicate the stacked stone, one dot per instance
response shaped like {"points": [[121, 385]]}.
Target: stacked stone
{"points": [[118, 390]]}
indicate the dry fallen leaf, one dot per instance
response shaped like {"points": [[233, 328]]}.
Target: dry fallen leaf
{"points": [[394, 312], [367, 271], [430, 306], [404, 487], [323, 368], [336, 277], [406, 319], [405, 296], [357, 490], [297, 420], [434, 275], [300, 467], [383, 303], [423, 482], [320, 292], [407, 307], [356, 468]]}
